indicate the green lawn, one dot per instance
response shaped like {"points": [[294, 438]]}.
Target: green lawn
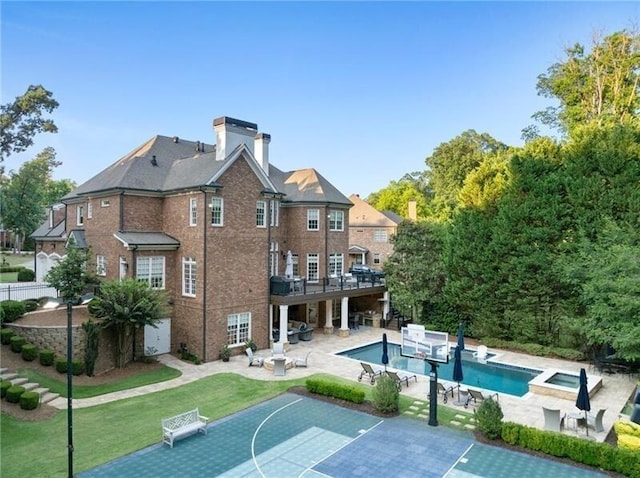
{"points": [[37, 448]]}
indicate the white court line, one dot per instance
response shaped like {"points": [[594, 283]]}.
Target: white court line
{"points": [[336, 451], [458, 461], [255, 434]]}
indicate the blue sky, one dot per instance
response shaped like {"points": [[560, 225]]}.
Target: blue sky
{"points": [[363, 92]]}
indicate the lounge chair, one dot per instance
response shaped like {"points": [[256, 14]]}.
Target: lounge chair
{"points": [[400, 378], [481, 354], [553, 419], [253, 360], [370, 372], [301, 362], [477, 396], [304, 332], [594, 421], [278, 349], [442, 390]]}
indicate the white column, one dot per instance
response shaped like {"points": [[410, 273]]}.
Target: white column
{"points": [[284, 321], [328, 317], [344, 318]]}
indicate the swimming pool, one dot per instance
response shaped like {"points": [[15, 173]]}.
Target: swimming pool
{"points": [[502, 378]]}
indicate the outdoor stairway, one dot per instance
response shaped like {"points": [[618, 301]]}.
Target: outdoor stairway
{"points": [[45, 395]]}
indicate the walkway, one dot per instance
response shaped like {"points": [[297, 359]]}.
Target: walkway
{"points": [[526, 410]]}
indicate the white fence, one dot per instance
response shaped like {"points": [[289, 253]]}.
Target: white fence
{"points": [[26, 290]]}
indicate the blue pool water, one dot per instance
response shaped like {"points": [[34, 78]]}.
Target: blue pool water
{"points": [[501, 378]]}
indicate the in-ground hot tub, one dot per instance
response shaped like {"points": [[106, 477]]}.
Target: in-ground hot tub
{"points": [[563, 384]]}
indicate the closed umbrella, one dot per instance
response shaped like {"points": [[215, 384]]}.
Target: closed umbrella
{"points": [[385, 352], [461, 336], [582, 402], [458, 376]]}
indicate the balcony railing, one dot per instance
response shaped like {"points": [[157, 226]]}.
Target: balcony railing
{"points": [[281, 285]]}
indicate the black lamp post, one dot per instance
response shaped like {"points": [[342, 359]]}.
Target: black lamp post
{"points": [[433, 393], [69, 386]]}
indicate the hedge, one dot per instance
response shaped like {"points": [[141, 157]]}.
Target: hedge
{"points": [[26, 275], [13, 393], [336, 390], [5, 336], [4, 386], [534, 349], [596, 454], [29, 352], [61, 365], [47, 357], [16, 343], [30, 304], [29, 400], [12, 309]]}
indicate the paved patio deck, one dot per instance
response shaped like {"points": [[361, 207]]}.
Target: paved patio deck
{"points": [[526, 410]]}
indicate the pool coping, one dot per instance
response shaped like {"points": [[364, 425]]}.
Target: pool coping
{"points": [[540, 386]]}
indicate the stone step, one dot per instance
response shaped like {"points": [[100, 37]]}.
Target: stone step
{"points": [[3, 370], [30, 386], [19, 381], [48, 396], [8, 376]]}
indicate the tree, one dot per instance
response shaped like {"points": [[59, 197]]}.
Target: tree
{"points": [[602, 85], [125, 306], [70, 276], [396, 196], [25, 194], [21, 120]]}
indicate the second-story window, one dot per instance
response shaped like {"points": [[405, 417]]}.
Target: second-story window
{"points": [[217, 212], [80, 215], [296, 269], [336, 221], [193, 211], [380, 235], [261, 211], [312, 268], [89, 210], [274, 209], [101, 266], [189, 276], [313, 219]]}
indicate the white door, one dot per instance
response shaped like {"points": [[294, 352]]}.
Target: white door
{"points": [[157, 340]]}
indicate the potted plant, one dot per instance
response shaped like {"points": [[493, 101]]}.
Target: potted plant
{"points": [[250, 344], [225, 353]]}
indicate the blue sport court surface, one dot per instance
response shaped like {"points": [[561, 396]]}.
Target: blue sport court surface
{"points": [[294, 436]]}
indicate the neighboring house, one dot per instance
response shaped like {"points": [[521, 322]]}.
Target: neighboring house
{"points": [[370, 233], [211, 225]]}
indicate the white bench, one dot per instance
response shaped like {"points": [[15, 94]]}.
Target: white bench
{"points": [[182, 425]]}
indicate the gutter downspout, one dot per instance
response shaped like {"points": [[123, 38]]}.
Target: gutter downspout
{"points": [[204, 280]]}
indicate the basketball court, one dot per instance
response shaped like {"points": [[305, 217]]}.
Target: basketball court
{"points": [[294, 436]]}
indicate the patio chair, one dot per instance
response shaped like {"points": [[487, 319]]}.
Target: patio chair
{"points": [[253, 360], [301, 362], [278, 349], [594, 421], [481, 354], [442, 390], [477, 396], [553, 419], [400, 378], [370, 372]]}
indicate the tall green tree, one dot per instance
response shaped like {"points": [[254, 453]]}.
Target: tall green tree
{"points": [[24, 194], [70, 276], [23, 119], [396, 196], [124, 306], [600, 85]]}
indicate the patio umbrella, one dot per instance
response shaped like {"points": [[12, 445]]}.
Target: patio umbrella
{"points": [[288, 271], [582, 402], [458, 376], [385, 352], [461, 336]]}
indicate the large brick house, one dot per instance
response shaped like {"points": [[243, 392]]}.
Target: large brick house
{"points": [[212, 225]]}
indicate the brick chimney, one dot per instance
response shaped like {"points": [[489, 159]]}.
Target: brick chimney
{"points": [[262, 141], [231, 133]]}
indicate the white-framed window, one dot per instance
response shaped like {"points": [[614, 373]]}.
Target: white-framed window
{"points": [[296, 267], [101, 265], [336, 220], [89, 210], [151, 271], [217, 212], [274, 249], [376, 258], [335, 264], [261, 212], [189, 276], [105, 203], [193, 211], [80, 215], [238, 327], [274, 212], [313, 219], [313, 273], [380, 235]]}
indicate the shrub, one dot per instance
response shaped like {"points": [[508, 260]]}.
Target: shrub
{"points": [[47, 357], [336, 390], [12, 310], [5, 336], [30, 305], [29, 400], [629, 442], [26, 275], [93, 339], [385, 395], [251, 345], [77, 367], [623, 427], [16, 343], [13, 393], [4, 386], [61, 365], [29, 352], [7, 269], [489, 418]]}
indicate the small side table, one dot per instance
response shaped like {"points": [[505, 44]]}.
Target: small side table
{"points": [[575, 416]]}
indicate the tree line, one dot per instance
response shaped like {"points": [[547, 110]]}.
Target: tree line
{"points": [[538, 243]]}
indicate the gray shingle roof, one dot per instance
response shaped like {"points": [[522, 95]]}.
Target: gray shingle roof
{"points": [[51, 234], [153, 240]]}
